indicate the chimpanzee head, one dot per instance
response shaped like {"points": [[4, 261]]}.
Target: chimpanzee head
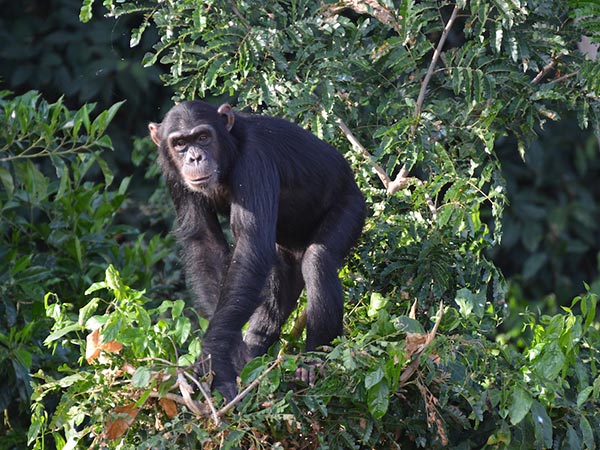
{"points": [[195, 144]]}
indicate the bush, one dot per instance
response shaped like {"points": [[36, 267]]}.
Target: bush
{"points": [[417, 94], [57, 232], [393, 385]]}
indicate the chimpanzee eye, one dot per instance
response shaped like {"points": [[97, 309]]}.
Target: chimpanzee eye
{"points": [[179, 144], [203, 137]]}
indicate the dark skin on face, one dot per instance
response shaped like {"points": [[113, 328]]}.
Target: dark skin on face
{"points": [[295, 212]]}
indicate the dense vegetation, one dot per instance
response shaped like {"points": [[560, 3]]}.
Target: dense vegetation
{"points": [[426, 99]]}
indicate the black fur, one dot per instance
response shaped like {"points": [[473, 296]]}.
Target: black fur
{"points": [[295, 212]]}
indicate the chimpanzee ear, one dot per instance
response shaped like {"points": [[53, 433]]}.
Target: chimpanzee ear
{"points": [[226, 112], [155, 132]]}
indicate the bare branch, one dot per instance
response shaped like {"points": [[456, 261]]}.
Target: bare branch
{"points": [[381, 173], [434, 60], [564, 77], [206, 396], [186, 390], [299, 325], [401, 180], [251, 386], [391, 187], [547, 68]]}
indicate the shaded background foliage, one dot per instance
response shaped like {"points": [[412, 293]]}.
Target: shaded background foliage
{"points": [[550, 225]]}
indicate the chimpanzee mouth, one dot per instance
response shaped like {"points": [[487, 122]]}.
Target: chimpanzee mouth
{"points": [[199, 180]]}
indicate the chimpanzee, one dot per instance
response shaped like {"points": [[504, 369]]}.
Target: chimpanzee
{"points": [[294, 209]]}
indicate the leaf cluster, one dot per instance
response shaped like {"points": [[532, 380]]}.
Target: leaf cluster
{"points": [[396, 384], [428, 89], [57, 233]]}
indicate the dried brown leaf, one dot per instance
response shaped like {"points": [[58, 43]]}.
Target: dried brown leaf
{"points": [[112, 347], [94, 346], [123, 419], [414, 343], [169, 406], [92, 349]]}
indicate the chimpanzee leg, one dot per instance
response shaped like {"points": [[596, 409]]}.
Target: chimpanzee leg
{"points": [[280, 297], [337, 233]]}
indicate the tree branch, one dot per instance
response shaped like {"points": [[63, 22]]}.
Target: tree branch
{"points": [[391, 186], [237, 12], [381, 173], [251, 386], [434, 60], [547, 68], [205, 394]]}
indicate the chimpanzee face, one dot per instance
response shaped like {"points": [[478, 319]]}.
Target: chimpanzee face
{"points": [[195, 151], [192, 138]]}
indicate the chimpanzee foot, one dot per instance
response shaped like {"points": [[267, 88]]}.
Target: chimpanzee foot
{"points": [[227, 389], [307, 372]]}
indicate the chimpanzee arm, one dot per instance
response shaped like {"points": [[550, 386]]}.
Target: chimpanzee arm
{"points": [[205, 250], [253, 222]]}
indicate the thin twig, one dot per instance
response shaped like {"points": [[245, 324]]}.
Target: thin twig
{"points": [[547, 68], [206, 396], [251, 386], [564, 77], [434, 60], [176, 398], [381, 173], [391, 187], [408, 372], [186, 390], [237, 12]]}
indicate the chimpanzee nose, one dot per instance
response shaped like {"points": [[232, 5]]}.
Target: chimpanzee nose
{"points": [[194, 156]]}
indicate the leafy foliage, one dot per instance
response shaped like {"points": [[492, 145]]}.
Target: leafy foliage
{"points": [[550, 232], [423, 92], [46, 48], [391, 385], [57, 231]]}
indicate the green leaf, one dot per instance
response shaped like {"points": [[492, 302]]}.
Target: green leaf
{"points": [[573, 438], [57, 334], [136, 34], [470, 303], [533, 264], [587, 432], [178, 306], [141, 377], [7, 181], [86, 312], [542, 424], [21, 264], [252, 370], [520, 404], [96, 287], [588, 309], [378, 399], [85, 14], [377, 303], [583, 395], [374, 377], [114, 283], [108, 175], [551, 361]]}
